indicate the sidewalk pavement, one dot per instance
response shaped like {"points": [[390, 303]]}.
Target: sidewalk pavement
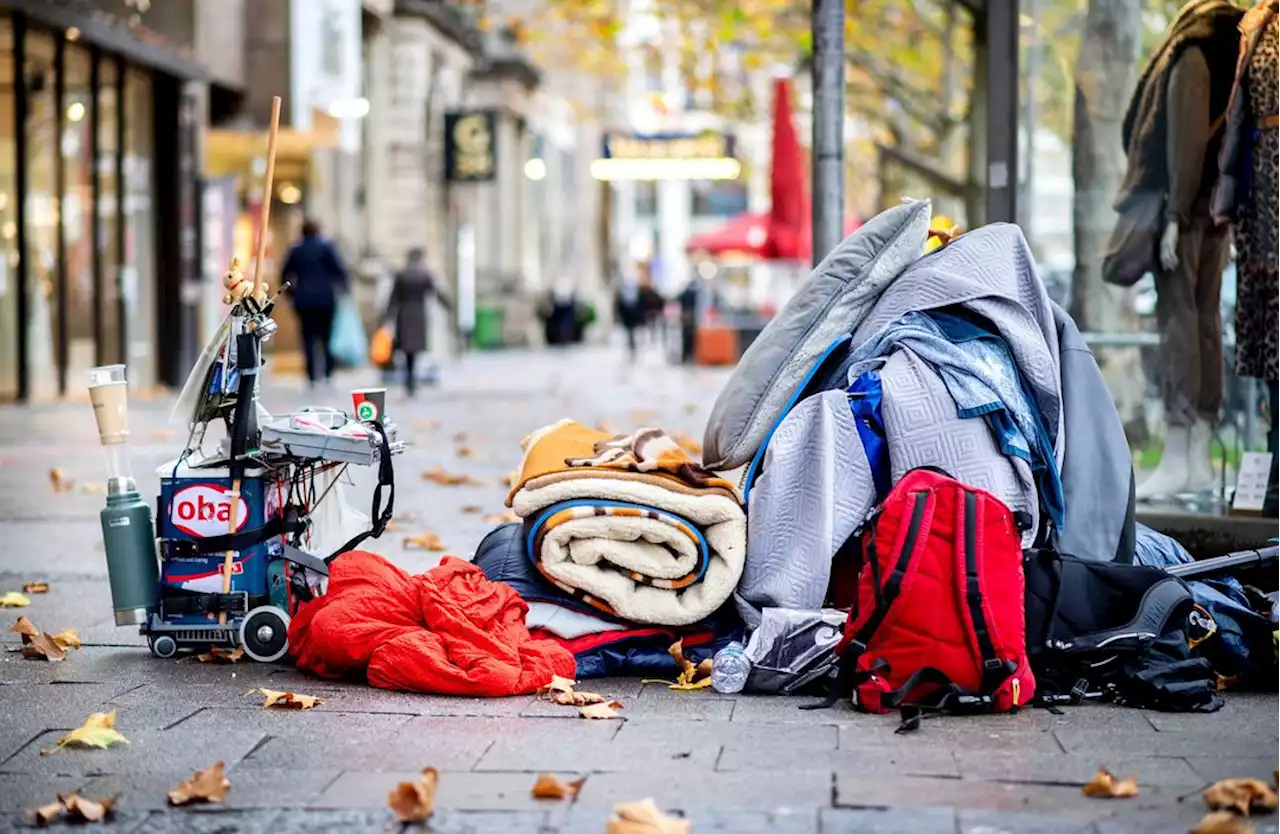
{"points": [[732, 764]]}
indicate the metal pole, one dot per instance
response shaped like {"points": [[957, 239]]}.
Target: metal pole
{"points": [[828, 126]]}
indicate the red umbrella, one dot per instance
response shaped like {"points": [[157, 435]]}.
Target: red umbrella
{"points": [[746, 234], [790, 224]]}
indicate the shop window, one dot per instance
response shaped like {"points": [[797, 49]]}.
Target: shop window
{"points": [[75, 150], [9, 331], [718, 198], [40, 255], [646, 198], [138, 274]]}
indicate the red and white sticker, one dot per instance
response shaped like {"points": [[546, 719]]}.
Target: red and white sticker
{"points": [[204, 510]]}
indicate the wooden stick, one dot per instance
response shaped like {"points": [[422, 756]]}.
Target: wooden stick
{"points": [[228, 560], [267, 192]]}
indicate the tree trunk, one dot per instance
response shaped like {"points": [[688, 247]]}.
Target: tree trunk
{"points": [[1104, 78]]}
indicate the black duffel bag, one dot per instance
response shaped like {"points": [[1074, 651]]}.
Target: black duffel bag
{"points": [[1116, 632]]}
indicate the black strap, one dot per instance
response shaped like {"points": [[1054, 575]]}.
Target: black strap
{"points": [[946, 697], [244, 539], [380, 515], [994, 670], [304, 559]]}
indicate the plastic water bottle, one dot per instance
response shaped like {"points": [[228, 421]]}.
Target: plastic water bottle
{"points": [[730, 668]]}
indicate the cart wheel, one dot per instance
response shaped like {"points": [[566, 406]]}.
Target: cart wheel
{"points": [[264, 633], [163, 645]]}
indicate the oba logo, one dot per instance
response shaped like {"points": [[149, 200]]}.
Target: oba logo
{"points": [[205, 510]]}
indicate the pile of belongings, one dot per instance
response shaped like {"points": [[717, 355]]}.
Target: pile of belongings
{"points": [[626, 545]]}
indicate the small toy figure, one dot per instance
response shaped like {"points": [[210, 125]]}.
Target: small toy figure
{"points": [[238, 286]]}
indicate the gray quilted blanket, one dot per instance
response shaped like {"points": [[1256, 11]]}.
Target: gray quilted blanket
{"points": [[815, 486]]}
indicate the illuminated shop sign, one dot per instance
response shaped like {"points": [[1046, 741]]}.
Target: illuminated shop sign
{"points": [[469, 152], [702, 156]]}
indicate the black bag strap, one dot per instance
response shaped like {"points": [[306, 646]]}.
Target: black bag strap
{"points": [[994, 671], [380, 515], [946, 697], [1159, 603], [247, 538]]}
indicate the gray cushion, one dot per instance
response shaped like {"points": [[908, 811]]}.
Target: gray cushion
{"points": [[829, 304]]}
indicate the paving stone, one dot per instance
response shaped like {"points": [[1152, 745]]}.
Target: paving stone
{"points": [[22, 791], [1225, 743], [602, 755], [745, 790], [955, 732], [889, 821], [1244, 713], [1007, 822], [1170, 818], [183, 821], [867, 790], [813, 737], [458, 791], [750, 822], [931, 761], [1072, 769], [656, 701], [1213, 768], [776, 709]]}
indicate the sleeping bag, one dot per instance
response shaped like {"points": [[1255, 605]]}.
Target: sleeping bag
{"points": [[449, 631]]}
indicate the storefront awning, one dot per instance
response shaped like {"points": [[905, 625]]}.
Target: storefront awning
{"points": [[232, 149]]}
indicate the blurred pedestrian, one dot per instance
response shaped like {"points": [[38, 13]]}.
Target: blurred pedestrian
{"points": [[688, 299], [413, 287], [628, 309], [317, 278], [561, 314], [653, 307]]}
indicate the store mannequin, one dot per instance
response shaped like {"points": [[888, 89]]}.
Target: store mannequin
{"points": [[1246, 196], [1172, 133]]}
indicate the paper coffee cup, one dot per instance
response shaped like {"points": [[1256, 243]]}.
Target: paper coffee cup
{"points": [[109, 393], [370, 403]]}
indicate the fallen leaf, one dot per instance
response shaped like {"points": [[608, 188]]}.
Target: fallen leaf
{"points": [[1104, 785], [1242, 796], [1222, 822], [576, 699], [550, 787], [36, 644], [690, 408], [459, 437], [473, 509], [600, 710], [94, 488], [425, 541], [99, 730], [87, 810], [426, 424], [13, 599], [46, 814], [691, 676], [414, 801], [690, 445], [59, 481], [36, 588], [287, 700], [162, 435], [464, 452], [24, 627], [557, 684], [218, 654], [443, 478], [501, 518], [643, 817], [208, 785]]}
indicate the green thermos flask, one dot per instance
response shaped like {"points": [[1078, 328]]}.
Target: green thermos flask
{"points": [[128, 535]]}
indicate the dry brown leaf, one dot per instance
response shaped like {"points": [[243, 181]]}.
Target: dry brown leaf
{"points": [[459, 437], [414, 801], [501, 518], [87, 810], [36, 644], [218, 654], [46, 814], [600, 711], [550, 787], [35, 588], [557, 684], [94, 488], [24, 627], [1222, 822], [443, 478], [576, 699], [208, 785], [1104, 785], [1242, 796], [472, 509], [690, 445], [428, 425], [643, 817], [464, 452], [59, 480], [286, 700], [425, 541]]}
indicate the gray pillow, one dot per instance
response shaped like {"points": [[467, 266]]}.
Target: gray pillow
{"points": [[828, 305]]}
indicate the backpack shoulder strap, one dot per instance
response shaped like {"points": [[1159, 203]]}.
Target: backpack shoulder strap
{"points": [[994, 670], [1158, 604]]}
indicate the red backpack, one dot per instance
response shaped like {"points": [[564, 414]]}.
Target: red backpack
{"points": [[936, 617]]}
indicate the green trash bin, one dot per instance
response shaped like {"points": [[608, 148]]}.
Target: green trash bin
{"points": [[488, 332]]}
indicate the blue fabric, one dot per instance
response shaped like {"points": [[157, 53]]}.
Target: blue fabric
{"points": [[864, 400], [1225, 600], [315, 273], [984, 381], [704, 551], [347, 340], [645, 654]]}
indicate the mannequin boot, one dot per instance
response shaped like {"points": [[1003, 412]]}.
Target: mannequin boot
{"points": [[1200, 474], [1171, 474]]}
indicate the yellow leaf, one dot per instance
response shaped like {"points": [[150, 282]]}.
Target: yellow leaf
{"points": [[443, 478], [36, 588], [425, 541], [1104, 785], [576, 699], [59, 481], [1222, 822], [557, 684], [287, 700], [600, 711], [414, 801], [217, 654], [46, 814], [1242, 796], [99, 730], [643, 817], [67, 639], [13, 599], [208, 785], [550, 787]]}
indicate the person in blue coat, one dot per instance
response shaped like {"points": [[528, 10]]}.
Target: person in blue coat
{"points": [[317, 278]]}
